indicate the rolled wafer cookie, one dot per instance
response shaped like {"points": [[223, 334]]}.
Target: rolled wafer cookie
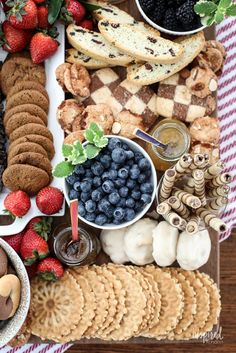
{"points": [[217, 203], [182, 225], [177, 205], [199, 185], [219, 180], [211, 219], [189, 186], [219, 191], [214, 170], [173, 218], [192, 226], [198, 162], [183, 164], [163, 208], [188, 199], [167, 184]]}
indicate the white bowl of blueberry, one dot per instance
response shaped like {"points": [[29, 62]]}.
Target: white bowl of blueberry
{"points": [[116, 188], [176, 17]]}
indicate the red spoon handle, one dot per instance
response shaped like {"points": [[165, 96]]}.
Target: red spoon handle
{"points": [[74, 219]]}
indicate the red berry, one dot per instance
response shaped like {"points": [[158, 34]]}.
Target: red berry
{"points": [[49, 200], [42, 46], [73, 12], [43, 17], [14, 40], [15, 241], [50, 269], [31, 270], [23, 14], [87, 24], [41, 225], [33, 247], [17, 203], [39, 1]]}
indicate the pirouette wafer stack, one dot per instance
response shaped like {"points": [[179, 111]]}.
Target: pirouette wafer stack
{"points": [[193, 191]]}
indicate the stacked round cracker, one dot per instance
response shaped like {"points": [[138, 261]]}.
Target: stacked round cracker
{"points": [[117, 302]]}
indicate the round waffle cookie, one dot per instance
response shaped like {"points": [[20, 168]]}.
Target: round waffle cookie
{"points": [[172, 303], [53, 315], [135, 304]]}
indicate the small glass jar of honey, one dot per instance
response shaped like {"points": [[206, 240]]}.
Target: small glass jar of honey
{"points": [[175, 134]]}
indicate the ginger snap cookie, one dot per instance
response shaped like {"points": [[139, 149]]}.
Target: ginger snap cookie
{"points": [[30, 129], [30, 108], [34, 159], [22, 85], [28, 96], [19, 120], [26, 147]]}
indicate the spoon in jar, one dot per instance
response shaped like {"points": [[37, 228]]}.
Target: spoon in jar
{"points": [[74, 222], [150, 139]]}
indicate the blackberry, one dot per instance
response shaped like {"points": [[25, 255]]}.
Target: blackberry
{"points": [[171, 3], [159, 11], [185, 13], [180, 2], [147, 5], [170, 22]]}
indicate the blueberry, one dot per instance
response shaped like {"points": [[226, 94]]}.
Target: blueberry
{"points": [[88, 173], [123, 173], [71, 179], [119, 213], [77, 186], [118, 155], [134, 172], [97, 168], [125, 146], [129, 163], [112, 174], [130, 202], [130, 184], [108, 186], [103, 205], [138, 156], [96, 195], [138, 206], [90, 217], [85, 196], [87, 164], [114, 198], [109, 211], [115, 166], [113, 143], [73, 194], [117, 221], [148, 173], [124, 191], [79, 170], [142, 178], [146, 188], [122, 202], [136, 195], [81, 210], [105, 176], [119, 182], [144, 164], [129, 154], [97, 181], [90, 206], [105, 160], [129, 214], [146, 198], [101, 219], [86, 185]]}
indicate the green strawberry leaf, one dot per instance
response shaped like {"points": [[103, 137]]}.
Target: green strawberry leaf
{"points": [[224, 4], [63, 169], [89, 135], [92, 151], [54, 7], [100, 142], [231, 11], [66, 150], [205, 8]]}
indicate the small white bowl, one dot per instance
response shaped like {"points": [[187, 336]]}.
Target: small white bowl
{"points": [[173, 33], [14, 324], [136, 148]]}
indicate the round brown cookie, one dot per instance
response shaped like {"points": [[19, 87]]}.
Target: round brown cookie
{"points": [[30, 129], [32, 109], [23, 85], [28, 96], [41, 140], [19, 120], [26, 147], [26, 178], [34, 159], [18, 69]]}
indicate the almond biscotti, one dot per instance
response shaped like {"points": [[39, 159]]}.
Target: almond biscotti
{"points": [[76, 57]]}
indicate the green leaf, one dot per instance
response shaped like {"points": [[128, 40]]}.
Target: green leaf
{"points": [[78, 147], [231, 11], [205, 8], [78, 157], [63, 169], [224, 4], [100, 142], [90, 7], [210, 20], [66, 150], [54, 7], [89, 135], [97, 130], [219, 16], [92, 151]]}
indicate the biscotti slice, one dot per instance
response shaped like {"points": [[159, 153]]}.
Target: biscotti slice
{"points": [[76, 57], [95, 45], [148, 73]]}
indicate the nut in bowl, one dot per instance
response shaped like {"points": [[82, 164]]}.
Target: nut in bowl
{"points": [[16, 288], [118, 194]]}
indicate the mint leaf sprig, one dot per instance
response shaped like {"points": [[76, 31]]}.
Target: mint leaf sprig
{"points": [[78, 154], [214, 11]]}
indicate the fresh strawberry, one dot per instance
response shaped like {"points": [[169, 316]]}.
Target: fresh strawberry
{"points": [[50, 269], [72, 12], [88, 24], [41, 226], [39, 1], [49, 200], [42, 46], [17, 203], [32, 270], [12, 39], [15, 241], [43, 17], [33, 247], [23, 14]]}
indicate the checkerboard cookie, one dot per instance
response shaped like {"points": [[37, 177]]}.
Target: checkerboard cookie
{"points": [[174, 100]]}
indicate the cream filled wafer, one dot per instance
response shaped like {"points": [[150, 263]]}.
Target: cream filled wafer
{"points": [[214, 170], [217, 203], [198, 162], [199, 181], [183, 164], [178, 206], [192, 226], [187, 199], [173, 218], [163, 208], [211, 219], [167, 184], [189, 186], [222, 179], [182, 225], [219, 191]]}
